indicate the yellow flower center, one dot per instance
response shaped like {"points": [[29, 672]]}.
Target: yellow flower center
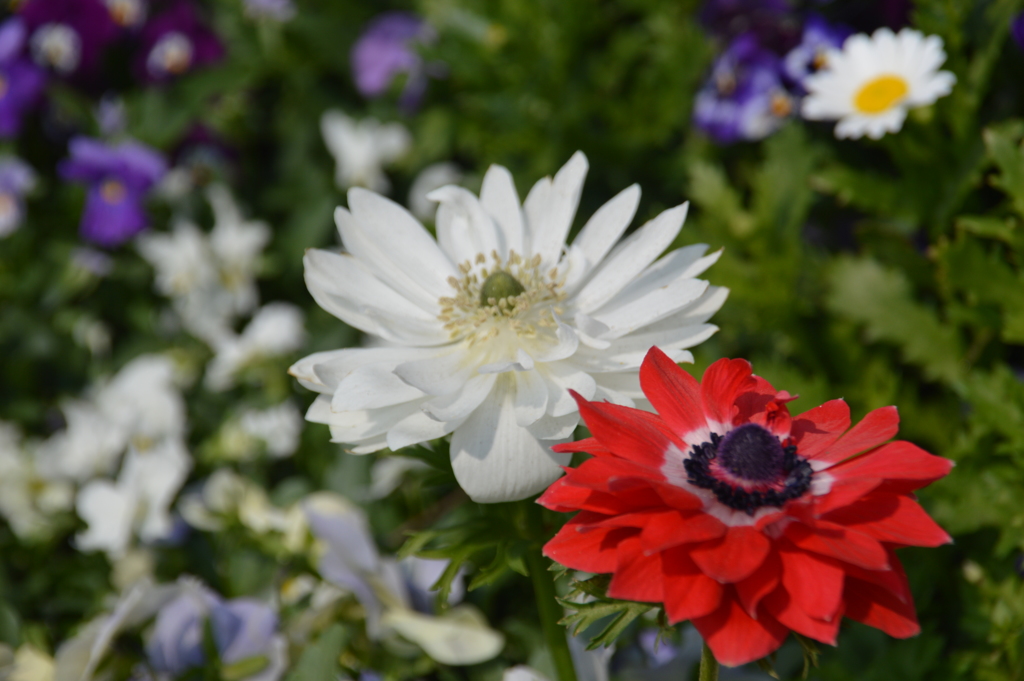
{"points": [[880, 94], [113, 191]]}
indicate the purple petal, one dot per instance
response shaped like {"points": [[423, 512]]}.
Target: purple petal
{"points": [[1017, 30], [113, 214], [12, 39], [176, 643], [24, 83], [90, 20], [243, 628]]}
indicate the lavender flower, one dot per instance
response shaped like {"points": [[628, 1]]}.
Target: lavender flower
{"points": [[16, 178], [745, 98], [819, 36], [243, 629], [21, 81], [385, 50], [274, 10], [118, 177], [68, 36], [175, 42]]}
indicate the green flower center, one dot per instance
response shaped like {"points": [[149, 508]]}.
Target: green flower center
{"points": [[498, 286]]}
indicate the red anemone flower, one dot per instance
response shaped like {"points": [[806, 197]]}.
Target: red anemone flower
{"points": [[746, 520]]}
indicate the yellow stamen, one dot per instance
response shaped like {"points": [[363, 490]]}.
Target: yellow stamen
{"points": [[880, 94]]}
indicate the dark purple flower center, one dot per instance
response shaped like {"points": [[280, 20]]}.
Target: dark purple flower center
{"points": [[749, 468]]}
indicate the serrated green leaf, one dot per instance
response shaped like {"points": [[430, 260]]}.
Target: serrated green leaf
{"points": [[1003, 229], [864, 291], [1003, 145]]}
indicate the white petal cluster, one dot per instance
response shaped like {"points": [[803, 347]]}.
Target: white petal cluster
{"points": [[361, 149], [871, 83], [209, 277], [276, 329], [483, 332]]}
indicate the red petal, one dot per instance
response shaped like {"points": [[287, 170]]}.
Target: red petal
{"points": [[589, 445], [689, 593], [877, 607], [891, 518], [815, 585], [674, 393], [844, 491], [638, 576], [818, 428], [593, 551], [723, 382], [782, 606], [630, 433], [899, 460], [735, 638], [672, 528], [751, 590], [843, 543], [774, 417], [894, 580], [733, 557], [877, 427], [609, 473], [564, 497], [677, 497]]}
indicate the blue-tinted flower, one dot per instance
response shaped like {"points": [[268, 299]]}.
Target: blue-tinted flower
{"points": [[21, 81], [274, 10], [118, 178], [69, 36], [386, 49], [745, 98], [243, 628], [16, 178], [1017, 30], [810, 55], [656, 650], [175, 42]]}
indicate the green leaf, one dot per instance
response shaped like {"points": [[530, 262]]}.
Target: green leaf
{"points": [[1004, 148], [864, 291], [587, 614], [319, 661]]}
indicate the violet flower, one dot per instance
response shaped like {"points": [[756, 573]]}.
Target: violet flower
{"points": [[175, 42], [68, 36], [1017, 30], [243, 628], [127, 13], [273, 10], [818, 38], [16, 178], [118, 178], [386, 49], [745, 98], [774, 23], [21, 81]]}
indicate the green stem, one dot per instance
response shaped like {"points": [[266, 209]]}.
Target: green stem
{"points": [[708, 665], [550, 612]]}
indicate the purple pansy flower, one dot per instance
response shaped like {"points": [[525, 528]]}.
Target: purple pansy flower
{"points": [[21, 81], [274, 10], [176, 41], [16, 178], [818, 38], [243, 628], [68, 36], [745, 98], [127, 13], [118, 177], [773, 21], [1017, 30], [386, 49]]}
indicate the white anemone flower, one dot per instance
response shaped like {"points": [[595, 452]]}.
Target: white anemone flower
{"points": [[869, 85], [482, 333], [362, 148]]}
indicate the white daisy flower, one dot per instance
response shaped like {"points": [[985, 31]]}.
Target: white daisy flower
{"points": [[871, 83], [483, 332]]}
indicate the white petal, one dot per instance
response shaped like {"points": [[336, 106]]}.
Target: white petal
{"points": [[157, 475], [400, 251], [554, 428], [356, 427], [458, 637], [549, 227], [108, 511], [458, 405], [418, 427], [499, 198], [330, 368], [631, 257], [697, 312], [345, 287], [566, 346], [534, 208], [563, 377], [654, 306], [494, 459], [370, 387], [609, 223], [438, 375], [464, 228], [628, 352], [531, 397]]}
